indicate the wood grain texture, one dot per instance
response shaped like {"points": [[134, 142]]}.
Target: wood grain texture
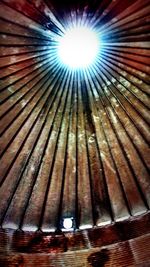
{"points": [[74, 144]]}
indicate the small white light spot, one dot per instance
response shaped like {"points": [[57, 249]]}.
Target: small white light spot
{"points": [[67, 223]]}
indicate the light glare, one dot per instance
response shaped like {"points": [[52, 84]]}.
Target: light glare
{"points": [[67, 223], [78, 47]]}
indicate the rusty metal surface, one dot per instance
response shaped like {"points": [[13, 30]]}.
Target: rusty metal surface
{"points": [[25, 250], [74, 145]]}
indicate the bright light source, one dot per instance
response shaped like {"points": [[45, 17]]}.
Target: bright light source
{"points": [[78, 47], [67, 223]]}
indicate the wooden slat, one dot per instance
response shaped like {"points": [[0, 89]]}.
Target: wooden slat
{"points": [[74, 143]]}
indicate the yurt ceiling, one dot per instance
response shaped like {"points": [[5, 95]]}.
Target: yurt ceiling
{"points": [[74, 143]]}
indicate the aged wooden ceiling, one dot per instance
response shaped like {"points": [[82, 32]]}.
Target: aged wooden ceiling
{"points": [[74, 144]]}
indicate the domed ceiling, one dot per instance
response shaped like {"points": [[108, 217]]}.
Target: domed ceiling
{"points": [[74, 143], [74, 138]]}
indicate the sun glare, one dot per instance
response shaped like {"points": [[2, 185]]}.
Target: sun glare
{"points": [[78, 47]]}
